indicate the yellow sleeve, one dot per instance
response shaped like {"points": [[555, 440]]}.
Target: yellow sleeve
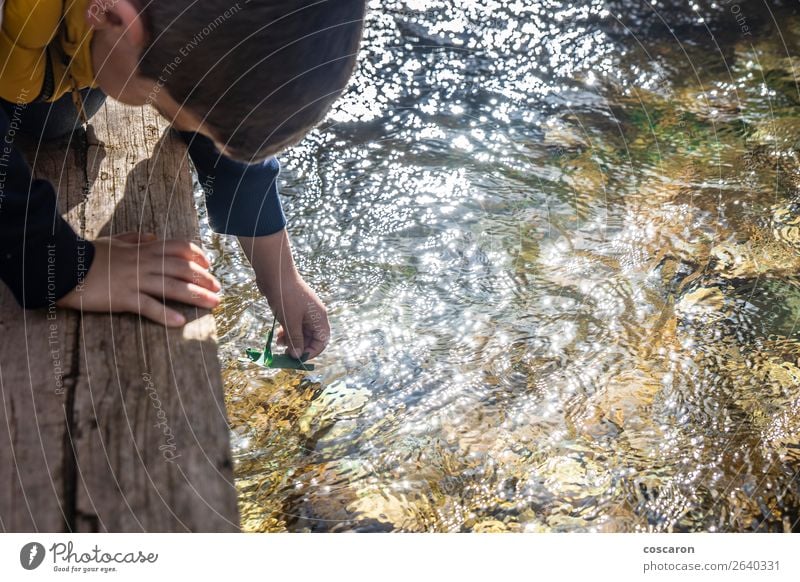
{"points": [[28, 27]]}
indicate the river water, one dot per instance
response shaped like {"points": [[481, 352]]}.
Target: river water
{"points": [[560, 248]]}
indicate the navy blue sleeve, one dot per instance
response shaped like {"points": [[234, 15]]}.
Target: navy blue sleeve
{"points": [[242, 199], [41, 257]]}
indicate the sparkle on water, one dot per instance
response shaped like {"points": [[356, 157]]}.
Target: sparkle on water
{"points": [[559, 244]]}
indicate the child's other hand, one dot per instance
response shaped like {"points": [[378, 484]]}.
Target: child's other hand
{"points": [[304, 320], [137, 273]]}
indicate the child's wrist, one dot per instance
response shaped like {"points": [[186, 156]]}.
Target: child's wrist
{"points": [[273, 284]]}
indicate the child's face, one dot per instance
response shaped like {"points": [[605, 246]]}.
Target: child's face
{"points": [[119, 38]]}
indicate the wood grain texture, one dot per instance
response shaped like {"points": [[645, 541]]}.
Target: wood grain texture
{"points": [[138, 439]]}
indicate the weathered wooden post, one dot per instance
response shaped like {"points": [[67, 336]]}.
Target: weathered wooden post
{"points": [[112, 423]]}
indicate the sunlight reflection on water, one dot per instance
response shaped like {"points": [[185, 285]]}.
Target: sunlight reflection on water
{"points": [[558, 247]]}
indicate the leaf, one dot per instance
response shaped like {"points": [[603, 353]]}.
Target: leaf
{"points": [[282, 361], [266, 358]]}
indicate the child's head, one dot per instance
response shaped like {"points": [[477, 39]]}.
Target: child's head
{"points": [[256, 75]]}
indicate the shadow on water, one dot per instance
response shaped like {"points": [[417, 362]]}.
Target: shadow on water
{"points": [[559, 244]]}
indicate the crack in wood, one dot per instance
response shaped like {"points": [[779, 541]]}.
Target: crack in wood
{"points": [[70, 381]]}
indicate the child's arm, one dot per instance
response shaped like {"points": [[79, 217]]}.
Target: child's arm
{"points": [[242, 200], [304, 320]]}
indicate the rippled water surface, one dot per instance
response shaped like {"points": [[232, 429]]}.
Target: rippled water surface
{"points": [[560, 247]]}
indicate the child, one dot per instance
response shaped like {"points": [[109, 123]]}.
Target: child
{"points": [[245, 78]]}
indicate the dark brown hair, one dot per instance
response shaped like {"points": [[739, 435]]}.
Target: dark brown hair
{"points": [[261, 73]]}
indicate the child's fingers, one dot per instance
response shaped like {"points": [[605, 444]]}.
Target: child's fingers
{"points": [[292, 343], [156, 311], [317, 339], [315, 347], [187, 271], [281, 337], [183, 248], [165, 288]]}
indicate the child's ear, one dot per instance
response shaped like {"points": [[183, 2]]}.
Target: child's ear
{"points": [[120, 16]]}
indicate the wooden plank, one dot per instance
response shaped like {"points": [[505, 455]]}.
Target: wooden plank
{"points": [[37, 373], [144, 436]]}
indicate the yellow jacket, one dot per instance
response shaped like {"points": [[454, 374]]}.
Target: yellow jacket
{"points": [[45, 49]]}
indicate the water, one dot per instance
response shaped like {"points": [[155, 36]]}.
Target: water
{"points": [[559, 245]]}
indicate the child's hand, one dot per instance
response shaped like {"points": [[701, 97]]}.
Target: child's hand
{"points": [[136, 274], [304, 320]]}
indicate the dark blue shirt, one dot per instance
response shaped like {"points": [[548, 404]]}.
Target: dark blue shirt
{"points": [[242, 199]]}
